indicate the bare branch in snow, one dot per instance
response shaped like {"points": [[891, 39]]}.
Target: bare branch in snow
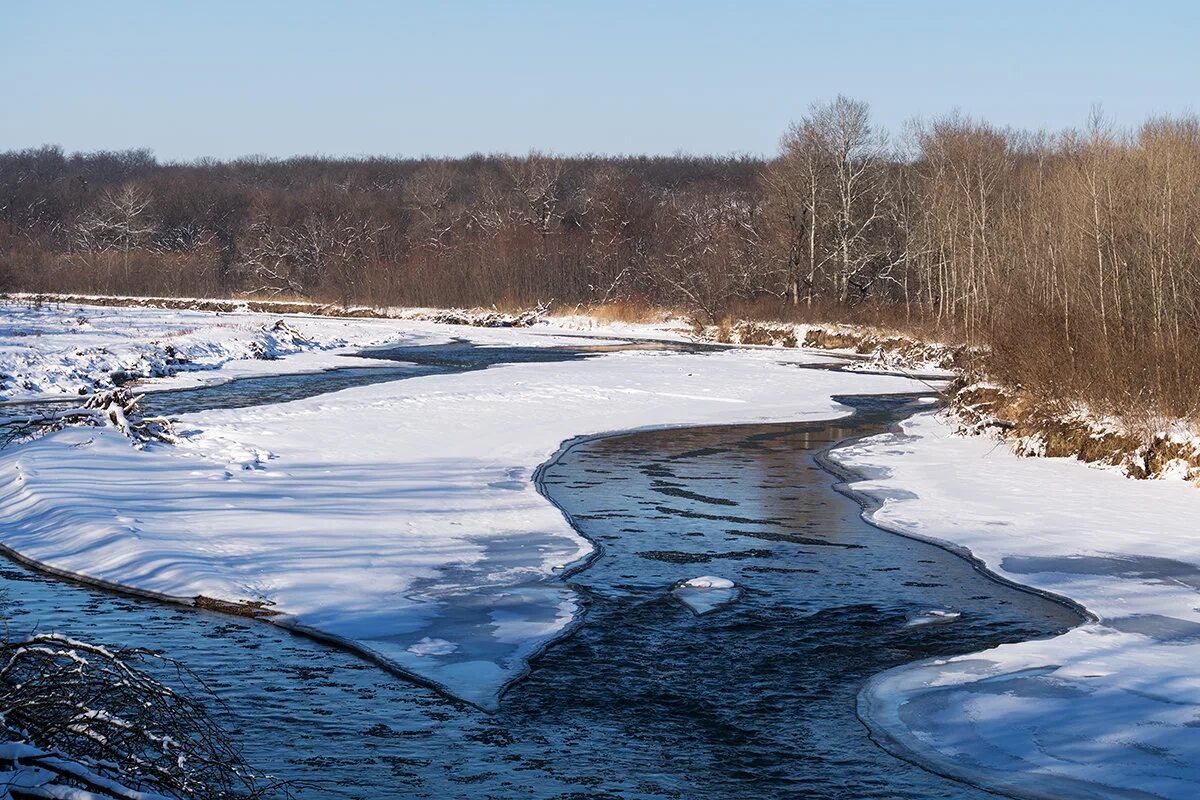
{"points": [[84, 720], [118, 408]]}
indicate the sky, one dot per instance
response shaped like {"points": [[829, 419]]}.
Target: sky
{"points": [[224, 79]]}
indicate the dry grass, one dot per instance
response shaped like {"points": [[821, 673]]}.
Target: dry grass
{"points": [[884, 317], [624, 311], [1140, 379]]}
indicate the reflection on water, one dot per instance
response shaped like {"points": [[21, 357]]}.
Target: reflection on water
{"points": [[646, 698]]}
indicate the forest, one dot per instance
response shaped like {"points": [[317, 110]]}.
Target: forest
{"points": [[1074, 256]]}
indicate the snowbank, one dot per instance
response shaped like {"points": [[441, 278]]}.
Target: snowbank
{"points": [[400, 517], [1109, 709], [51, 351]]}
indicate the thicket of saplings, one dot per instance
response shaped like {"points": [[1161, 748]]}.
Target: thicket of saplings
{"points": [[1075, 255]]}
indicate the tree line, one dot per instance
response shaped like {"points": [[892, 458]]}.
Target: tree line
{"points": [[1075, 254]]}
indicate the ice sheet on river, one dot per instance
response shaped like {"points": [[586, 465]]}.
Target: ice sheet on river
{"points": [[1109, 709], [400, 517]]}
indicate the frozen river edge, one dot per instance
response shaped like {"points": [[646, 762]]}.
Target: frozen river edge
{"points": [[1106, 710]]}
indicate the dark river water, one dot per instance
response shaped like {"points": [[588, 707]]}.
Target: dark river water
{"points": [[646, 698]]}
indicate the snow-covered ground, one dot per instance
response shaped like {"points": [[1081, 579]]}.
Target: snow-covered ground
{"points": [[51, 351], [1109, 709], [400, 517]]}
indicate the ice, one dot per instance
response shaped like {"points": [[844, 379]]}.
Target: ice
{"points": [[933, 616], [429, 646], [708, 582], [706, 593]]}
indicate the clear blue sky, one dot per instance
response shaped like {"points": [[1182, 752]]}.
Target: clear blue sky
{"points": [[222, 79]]}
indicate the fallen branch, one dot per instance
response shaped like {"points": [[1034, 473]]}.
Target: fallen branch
{"points": [[78, 715], [118, 408], [485, 318], [281, 327]]}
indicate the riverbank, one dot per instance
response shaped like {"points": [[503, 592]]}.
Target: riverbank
{"points": [[398, 517], [62, 349], [252, 505], [1109, 709], [1140, 447]]}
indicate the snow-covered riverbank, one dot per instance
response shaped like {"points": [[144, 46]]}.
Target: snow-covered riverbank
{"points": [[1110, 709], [68, 350], [400, 517]]}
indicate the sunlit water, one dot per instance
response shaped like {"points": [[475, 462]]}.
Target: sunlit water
{"points": [[646, 698]]}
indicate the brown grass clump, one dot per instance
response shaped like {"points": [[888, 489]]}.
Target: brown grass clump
{"points": [[626, 311], [763, 334]]}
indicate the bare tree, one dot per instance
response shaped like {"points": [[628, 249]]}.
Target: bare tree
{"points": [[715, 252], [830, 204], [536, 184], [121, 222], [797, 206], [856, 155], [320, 250], [428, 193], [611, 205]]}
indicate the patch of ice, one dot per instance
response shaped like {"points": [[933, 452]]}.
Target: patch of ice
{"points": [[706, 593], [1108, 709], [429, 646], [933, 616], [708, 582]]}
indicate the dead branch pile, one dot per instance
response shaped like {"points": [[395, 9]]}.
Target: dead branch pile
{"points": [[279, 331], [82, 720], [281, 328], [486, 318], [118, 408]]}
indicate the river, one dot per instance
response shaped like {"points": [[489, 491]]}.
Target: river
{"points": [[646, 698]]}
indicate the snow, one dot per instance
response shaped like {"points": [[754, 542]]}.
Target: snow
{"points": [[49, 351], [671, 328], [401, 518], [1108, 709], [708, 582], [63, 351], [32, 771], [428, 646]]}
